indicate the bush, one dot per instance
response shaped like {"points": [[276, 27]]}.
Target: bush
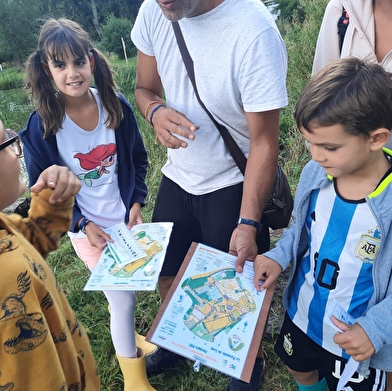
{"points": [[11, 78], [114, 32], [300, 37]]}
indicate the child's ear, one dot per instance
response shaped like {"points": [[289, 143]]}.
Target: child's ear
{"points": [[92, 63], [46, 69], [379, 138]]}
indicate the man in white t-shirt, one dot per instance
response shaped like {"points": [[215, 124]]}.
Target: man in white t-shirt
{"points": [[240, 69]]}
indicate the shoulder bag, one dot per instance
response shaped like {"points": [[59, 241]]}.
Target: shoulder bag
{"points": [[280, 203]]}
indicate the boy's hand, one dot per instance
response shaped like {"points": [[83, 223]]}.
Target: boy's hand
{"points": [[353, 340], [63, 182], [266, 271]]}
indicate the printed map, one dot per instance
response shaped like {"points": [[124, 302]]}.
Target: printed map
{"points": [[219, 302]]}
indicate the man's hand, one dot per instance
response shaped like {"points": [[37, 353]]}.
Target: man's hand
{"points": [[243, 245], [266, 272], [63, 182], [170, 123], [353, 340]]}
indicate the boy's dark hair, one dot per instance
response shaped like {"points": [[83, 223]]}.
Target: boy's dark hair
{"points": [[348, 92], [57, 36]]}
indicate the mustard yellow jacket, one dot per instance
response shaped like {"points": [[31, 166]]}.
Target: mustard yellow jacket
{"points": [[43, 347]]}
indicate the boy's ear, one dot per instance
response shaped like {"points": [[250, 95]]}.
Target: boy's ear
{"points": [[379, 138]]}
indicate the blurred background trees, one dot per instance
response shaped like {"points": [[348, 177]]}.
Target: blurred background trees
{"points": [[20, 21]]}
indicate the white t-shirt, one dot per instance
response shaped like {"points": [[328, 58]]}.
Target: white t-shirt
{"points": [[240, 65], [92, 157]]}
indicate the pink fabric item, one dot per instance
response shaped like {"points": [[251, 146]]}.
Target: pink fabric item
{"points": [[87, 253]]}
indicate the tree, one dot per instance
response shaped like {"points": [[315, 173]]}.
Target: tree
{"points": [[288, 8], [95, 18], [17, 30], [113, 32]]}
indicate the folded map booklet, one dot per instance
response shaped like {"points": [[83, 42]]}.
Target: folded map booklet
{"points": [[134, 260], [212, 314]]}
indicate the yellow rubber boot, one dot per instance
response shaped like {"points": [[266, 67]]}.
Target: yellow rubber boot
{"points": [[134, 372], [146, 346]]}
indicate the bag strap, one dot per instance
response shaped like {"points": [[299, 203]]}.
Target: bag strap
{"points": [[231, 145]]}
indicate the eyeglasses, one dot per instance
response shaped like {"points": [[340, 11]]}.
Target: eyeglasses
{"points": [[12, 141]]}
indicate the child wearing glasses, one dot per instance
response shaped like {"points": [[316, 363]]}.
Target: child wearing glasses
{"points": [[339, 296], [43, 345], [93, 132]]}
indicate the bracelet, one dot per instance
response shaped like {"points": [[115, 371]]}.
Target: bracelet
{"points": [[253, 223], [153, 112], [148, 106], [83, 224]]}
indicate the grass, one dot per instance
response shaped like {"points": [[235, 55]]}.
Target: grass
{"points": [[91, 307]]}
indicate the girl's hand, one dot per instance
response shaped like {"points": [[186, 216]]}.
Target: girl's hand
{"points": [[135, 215], [96, 236]]}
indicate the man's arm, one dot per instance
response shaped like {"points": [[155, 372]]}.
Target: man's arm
{"points": [[167, 122], [258, 182]]}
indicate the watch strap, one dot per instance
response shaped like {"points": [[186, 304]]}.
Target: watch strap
{"points": [[251, 222]]}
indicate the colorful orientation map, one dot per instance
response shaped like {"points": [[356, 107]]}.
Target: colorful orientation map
{"points": [[212, 315], [134, 260], [218, 302]]}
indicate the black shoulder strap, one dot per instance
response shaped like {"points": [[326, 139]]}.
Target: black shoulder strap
{"points": [[342, 27], [231, 145]]}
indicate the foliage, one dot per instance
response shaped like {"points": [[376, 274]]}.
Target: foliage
{"points": [[17, 29], [20, 21], [287, 8], [114, 33], [300, 38], [11, 78], [15, 106]]}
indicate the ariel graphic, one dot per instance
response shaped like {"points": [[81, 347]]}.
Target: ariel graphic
{"points": [[96, 162]]}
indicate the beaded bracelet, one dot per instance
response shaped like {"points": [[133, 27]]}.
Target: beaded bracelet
{"points": [[153, 112], [148, 106], [83, 224]]}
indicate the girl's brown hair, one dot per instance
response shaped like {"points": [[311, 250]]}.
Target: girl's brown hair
{"points": [[55, 39]]}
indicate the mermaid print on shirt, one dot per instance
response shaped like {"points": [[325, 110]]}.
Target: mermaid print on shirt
{"points": [[95, 162]]}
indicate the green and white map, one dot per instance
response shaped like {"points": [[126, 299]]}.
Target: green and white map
{"points": [[212, 315], [219, 302]]}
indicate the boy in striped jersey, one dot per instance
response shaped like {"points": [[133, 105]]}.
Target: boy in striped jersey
{"points": [[339, 242]]}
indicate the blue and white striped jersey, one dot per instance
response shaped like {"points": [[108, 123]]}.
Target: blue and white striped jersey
{"points": [[343, 241]]}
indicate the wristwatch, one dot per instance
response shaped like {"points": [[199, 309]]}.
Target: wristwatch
{"points": [[253, 223]]}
